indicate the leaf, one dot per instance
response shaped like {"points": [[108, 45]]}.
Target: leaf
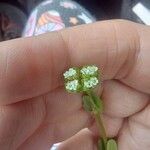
{"points": [[111, 145], [87, 105], [101, 145], [98, 102]]}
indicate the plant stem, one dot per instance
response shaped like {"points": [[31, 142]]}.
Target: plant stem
{"points": [[101, 127], [98, 119]]}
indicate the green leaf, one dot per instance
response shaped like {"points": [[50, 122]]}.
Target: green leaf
{"points": [[87, 105], [111, 145], [98, 102], [101, 145]]}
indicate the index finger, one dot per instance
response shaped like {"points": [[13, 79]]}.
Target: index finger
{"points": [[33, 66]]}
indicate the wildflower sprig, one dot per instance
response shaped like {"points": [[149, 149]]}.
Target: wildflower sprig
{"points": [[84, 80], [81, 79]]}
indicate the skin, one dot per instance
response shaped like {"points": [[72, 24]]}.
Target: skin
{"points": [[36, 111]]}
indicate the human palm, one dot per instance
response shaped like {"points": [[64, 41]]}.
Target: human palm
{"points": [[37, 112]]}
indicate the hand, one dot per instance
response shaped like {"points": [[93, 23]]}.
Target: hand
{"points": [[36, 111]]}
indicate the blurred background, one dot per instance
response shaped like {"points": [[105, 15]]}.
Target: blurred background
{"points": [[102, 9], [20, 10]]}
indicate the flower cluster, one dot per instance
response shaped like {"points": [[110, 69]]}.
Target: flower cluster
{"points": [[81, 79]]}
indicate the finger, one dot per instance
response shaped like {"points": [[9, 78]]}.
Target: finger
{"points": [[122, 101], [64, 118], [112, 126], [50, 133], [60, 104], [29, 68], [138, 77], [45, 118], [19, 121], [136, 133], [84, 140], [33, 66]]}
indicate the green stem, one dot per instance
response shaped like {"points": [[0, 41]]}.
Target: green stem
{"points": [[101, 127], [98, 119]]}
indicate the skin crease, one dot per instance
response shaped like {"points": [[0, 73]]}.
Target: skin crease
{"points": [[36, 111]]}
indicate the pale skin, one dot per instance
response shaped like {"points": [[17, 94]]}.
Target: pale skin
{"points": [[36, 111]]}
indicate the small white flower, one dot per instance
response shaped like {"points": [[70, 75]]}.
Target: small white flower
{"points": [[89, 70], [70, 73], [72, 85], [81, 79], [91, 83]]}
